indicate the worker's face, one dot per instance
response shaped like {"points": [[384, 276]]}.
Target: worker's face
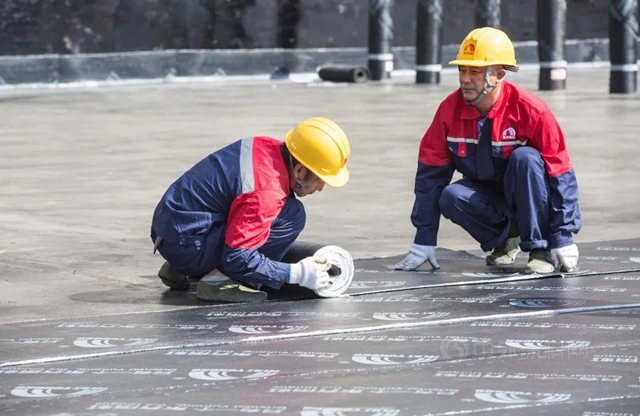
{"points": [[472, 80], [311, 183]]}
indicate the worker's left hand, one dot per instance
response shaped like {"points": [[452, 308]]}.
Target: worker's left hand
{"points": [[565, 258], [418, 254]]}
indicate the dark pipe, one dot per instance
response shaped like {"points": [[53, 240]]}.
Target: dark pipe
{"points": [[429, 42], [551, 24], [623, 32], [344, 73], [380, 36], [488, 13]]}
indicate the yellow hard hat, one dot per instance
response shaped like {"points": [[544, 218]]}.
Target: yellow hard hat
{"points": [[486, 46], [321, 146]]}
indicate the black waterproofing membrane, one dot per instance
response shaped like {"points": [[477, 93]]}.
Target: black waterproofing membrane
{"points": [[464, 339]]}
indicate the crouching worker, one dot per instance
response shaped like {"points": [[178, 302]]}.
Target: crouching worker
{"points": [[236, 213], [518, 189]]}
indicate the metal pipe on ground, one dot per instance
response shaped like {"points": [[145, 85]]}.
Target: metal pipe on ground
{"points": [[342, 268], [488, 13], [623, 34], [551, 25], [380, 60], [429, 42], [343, 73]]}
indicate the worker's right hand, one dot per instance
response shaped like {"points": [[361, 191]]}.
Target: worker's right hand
{"points": [[418, 254], [311, 272], [565, 258]]}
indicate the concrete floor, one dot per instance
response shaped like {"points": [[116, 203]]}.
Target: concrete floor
{"points": [[82, 170]]}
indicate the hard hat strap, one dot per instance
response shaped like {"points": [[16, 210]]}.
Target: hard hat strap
{"points": [[299, 184], [487, 88]]}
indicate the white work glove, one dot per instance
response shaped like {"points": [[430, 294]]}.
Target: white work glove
{"points": [[311, 272], [417, 256], [565, 258]]}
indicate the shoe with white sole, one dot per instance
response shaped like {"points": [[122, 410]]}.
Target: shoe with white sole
{"points": [[505, 253], [216, 287], [540, 262]]}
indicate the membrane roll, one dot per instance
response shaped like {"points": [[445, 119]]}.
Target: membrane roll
{"points": [[341, 261]]}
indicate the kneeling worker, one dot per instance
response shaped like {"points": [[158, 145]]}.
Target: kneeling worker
{"points": [[237, 212]]}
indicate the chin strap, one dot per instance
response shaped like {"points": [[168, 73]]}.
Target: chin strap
{"points": [[486, 90]]}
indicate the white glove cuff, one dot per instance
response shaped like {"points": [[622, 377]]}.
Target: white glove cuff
{"points": [[295, 274], [419, 249]]}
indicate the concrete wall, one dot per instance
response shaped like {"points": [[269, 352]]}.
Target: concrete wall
{"points": [[92, 26]]}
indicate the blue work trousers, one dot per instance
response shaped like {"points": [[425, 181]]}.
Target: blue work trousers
{"points": [[198, 260], [486, 210]]}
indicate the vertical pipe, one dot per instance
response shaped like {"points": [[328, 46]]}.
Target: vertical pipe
{"points": [[287, 36], [488, 13], [623, 32], [288, 19], [429, 42], [551, 24], [380, 36]]}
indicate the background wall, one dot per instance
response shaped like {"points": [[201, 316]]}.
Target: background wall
{"points": [[88, 26]]}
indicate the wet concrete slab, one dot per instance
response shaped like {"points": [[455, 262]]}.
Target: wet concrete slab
{"points": [[83, 168]]}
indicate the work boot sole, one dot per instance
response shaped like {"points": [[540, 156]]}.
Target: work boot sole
{"points": [[505, 254], [540, 269], [540, 262], [173, 279], [500, 261]]}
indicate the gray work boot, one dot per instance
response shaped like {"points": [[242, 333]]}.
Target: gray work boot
{"points": [[219, 288], [172, 278], [505, 253], [540, 262]]}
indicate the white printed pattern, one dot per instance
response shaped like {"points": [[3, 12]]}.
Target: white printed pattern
{"points": [[545, 303], [265, 329], [109, 342], [379, 359], [515, 397], [385, 316], [546, 344], [47, 391], [221, 374]]}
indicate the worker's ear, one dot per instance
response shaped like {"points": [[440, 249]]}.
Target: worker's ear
{"points": [[297, 170], [501, 73]]}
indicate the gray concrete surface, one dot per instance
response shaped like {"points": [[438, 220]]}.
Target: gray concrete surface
{"points": [[82, 169]]}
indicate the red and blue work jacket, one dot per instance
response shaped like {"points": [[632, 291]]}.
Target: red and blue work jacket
{"points": [[518, 118], [238, 191]]}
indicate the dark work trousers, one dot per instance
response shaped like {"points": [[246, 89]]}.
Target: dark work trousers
{"points": [[199, 259], [486, 210]]}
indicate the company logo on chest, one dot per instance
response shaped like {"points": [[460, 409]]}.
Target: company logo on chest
{"points": [[509, 134]]}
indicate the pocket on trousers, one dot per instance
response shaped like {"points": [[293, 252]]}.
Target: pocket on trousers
{"points": [[192, 241]]}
